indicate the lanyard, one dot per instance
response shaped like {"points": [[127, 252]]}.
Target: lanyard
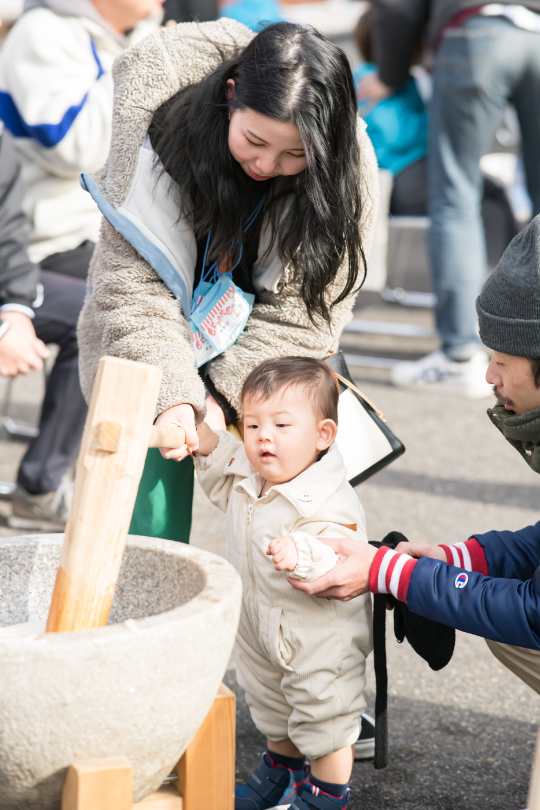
{"points": [[213, 274], [220, 309]]}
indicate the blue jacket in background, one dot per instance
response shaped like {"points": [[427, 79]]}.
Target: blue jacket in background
{"points": [[504, 606], [252, 12], [397, 125]]}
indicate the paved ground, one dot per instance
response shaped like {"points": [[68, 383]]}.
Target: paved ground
{"points": [[463, 737]]}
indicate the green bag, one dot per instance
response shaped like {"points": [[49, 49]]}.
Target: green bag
{"points": [[164, 502]]}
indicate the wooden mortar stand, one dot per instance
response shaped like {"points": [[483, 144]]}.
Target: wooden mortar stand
{"points": [[117, 434]]}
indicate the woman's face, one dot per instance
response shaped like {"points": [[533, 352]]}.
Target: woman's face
{"points": [[263, 147]]}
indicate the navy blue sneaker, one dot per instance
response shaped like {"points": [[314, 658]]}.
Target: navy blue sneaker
{"points": [[313, 798], [270, 786]]}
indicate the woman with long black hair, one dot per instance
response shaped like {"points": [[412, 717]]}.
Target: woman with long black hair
{"points": [[238, 167]]}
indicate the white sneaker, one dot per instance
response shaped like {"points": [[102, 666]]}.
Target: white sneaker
{"points": [[437, 374]]}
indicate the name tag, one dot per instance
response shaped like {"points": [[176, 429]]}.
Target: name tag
{"points": [[222, 314]]}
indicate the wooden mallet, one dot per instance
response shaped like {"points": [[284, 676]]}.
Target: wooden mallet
{"points": [[117, 434]]}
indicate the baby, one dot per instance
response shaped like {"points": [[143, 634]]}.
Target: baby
{"points": [[301, 660]]}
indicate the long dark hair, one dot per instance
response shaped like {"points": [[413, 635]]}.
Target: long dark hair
{"points": [[289, 73]]}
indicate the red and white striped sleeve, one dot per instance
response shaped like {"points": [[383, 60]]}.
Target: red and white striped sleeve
{"points": [[390, 572], [468, 555]]}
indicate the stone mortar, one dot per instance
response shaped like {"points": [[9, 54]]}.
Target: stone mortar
{"points": [[140, 686]]}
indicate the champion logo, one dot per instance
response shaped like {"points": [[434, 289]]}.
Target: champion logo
{"points": [[461, 580], [230, 462], [305, 498]]}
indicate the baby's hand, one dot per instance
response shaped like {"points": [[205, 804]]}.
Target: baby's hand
{"points": [[284, 554]]}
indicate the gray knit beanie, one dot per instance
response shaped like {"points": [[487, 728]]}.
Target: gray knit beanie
{"points": [[509, 304]]}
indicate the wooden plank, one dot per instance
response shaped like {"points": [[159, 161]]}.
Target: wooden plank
{"points": [[99, 784], [166, 798], [109, 469], [206, 772], [166, 436], [534, 789]]}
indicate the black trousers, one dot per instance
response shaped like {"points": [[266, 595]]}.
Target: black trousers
{"points": [[64, 410]]}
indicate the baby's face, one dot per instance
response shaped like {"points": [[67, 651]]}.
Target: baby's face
{"points": [[283, 436]]}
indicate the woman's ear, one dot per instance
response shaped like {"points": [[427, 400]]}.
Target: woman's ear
{"points": [[327, 434], [230, 88]]}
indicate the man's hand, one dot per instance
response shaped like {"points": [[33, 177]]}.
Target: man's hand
{"points": [[284, 554], [20, 350], [421, 550], [182, 416], [349, 578]]}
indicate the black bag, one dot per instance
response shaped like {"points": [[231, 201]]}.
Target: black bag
{"points": [[364, 439]]}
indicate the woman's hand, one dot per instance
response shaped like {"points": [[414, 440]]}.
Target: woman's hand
{"points": [[422, 550], [20, 350], [349, 578], [182, 416]]}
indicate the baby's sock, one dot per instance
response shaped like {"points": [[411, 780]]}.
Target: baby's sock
{"points": [[329, 787], [293, 763]]}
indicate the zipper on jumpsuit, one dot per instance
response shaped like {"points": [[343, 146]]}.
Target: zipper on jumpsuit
{"points": [[250, 559]]}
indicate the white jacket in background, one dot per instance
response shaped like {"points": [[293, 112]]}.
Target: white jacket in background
{"points": [[300, 659], [56, 94]]}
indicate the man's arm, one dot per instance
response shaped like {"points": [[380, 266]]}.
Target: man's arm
{"points": [[501, 609], [20, 349], [55, 95], [398, 26]]}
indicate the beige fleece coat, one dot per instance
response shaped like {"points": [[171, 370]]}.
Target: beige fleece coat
{"points": [[300, 659], [129, 311]]}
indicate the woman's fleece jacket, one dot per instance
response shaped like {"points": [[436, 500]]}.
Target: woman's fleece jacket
{"points": [[317, 503], [141, 275]]}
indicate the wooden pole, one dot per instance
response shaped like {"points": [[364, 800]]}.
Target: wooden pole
{"points": [[166, 436], [206, 771], [109, 469]]}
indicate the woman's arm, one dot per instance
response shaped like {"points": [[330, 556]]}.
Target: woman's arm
{"points": [[130, 312], [279, 325]]}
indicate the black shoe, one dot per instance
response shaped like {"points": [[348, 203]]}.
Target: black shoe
{"points": [[364, 747]]}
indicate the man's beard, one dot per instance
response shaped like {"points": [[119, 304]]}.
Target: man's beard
{"points": [[503, 400]]}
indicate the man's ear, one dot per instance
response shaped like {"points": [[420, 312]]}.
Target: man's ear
{"points": [[327, 434]]}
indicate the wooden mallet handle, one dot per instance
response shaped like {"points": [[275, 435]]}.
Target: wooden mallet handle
{"points": [[168, 436]]}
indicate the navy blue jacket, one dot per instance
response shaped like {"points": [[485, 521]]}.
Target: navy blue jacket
{"points": [[504, 606]]}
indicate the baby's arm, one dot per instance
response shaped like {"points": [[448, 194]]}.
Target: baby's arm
{"points": [[314, 559], [215, 454], [208, 440], [284, 554], [303, 555]]}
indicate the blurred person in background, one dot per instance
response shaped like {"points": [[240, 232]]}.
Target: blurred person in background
{"points": [[486, 55], [188, 10], [252, 12], [56, 94], [38, 308], [397, 125]]}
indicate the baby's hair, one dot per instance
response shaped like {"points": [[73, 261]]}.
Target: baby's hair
{"points": [[316, 378]]}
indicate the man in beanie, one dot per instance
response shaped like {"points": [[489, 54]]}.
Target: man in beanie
{"points": [[488, 585]]}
